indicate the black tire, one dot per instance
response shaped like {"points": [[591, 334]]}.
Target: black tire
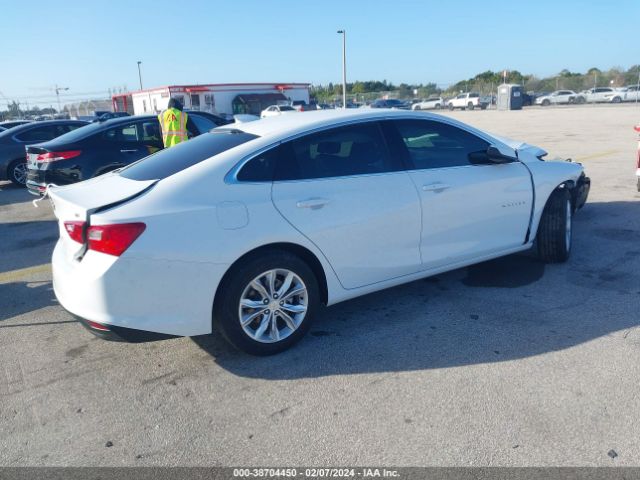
{"points": [[451, 107], [554, 236], [616, 100], [546, 103], [580, 100], [470, 106], [438, 107], [17, 173], [638, 185], [483, 107], [417, 107], [226, 317]]}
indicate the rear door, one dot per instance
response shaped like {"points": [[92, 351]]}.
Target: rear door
{"points": [[342, 190], [470, 206]]}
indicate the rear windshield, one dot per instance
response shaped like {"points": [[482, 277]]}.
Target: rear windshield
{"points": [[175, 159]]}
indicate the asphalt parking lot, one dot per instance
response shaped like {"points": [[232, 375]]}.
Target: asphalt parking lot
{"points": [[510, 362]]}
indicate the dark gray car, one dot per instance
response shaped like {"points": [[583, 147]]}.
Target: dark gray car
{"points": [[13, 141]]}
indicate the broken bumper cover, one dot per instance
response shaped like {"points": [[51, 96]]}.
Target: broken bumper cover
{"points": [[581, 192], [121, 334]]}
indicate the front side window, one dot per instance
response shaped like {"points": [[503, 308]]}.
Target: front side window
{"points": [[431, 144], [344, 151], [127, 133]]}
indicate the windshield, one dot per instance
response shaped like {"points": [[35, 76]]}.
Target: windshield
{"points": [[172, 160], [285, 108]]}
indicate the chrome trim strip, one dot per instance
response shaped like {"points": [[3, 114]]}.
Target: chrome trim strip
{"points": [[231, 176]]}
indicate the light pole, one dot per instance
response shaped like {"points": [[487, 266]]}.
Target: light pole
{"points": [[58, 90], [140, 74], [344, 67]]}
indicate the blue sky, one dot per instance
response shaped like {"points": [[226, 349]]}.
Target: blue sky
{"points": [[90, 46]]}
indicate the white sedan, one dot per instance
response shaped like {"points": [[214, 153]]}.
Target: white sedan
{"points": [[429, 104], [275, 110], [249, 229]]}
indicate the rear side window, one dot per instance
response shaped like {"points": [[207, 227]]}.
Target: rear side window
{"points": [[350, 150], [180, 157], [42, 133], [431, 144], [261, 167]]}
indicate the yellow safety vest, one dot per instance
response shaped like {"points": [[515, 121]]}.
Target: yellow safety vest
{"points": [[173, 124]]}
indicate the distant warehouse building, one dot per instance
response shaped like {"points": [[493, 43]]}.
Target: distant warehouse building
{"points": [[223, 98]]}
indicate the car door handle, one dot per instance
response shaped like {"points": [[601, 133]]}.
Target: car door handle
{"points": [[129, 150], [435, 187], [312, 203]]}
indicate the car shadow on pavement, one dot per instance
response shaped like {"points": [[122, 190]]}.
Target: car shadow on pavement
{"points": [[19, 298], [505, 309], [10, 194], [27, 244]]}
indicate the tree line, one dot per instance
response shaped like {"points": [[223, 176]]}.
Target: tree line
{"points": [[485, 83]]}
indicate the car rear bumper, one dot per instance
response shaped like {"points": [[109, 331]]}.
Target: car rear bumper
{"points": [[130, 297], [113, 333]]}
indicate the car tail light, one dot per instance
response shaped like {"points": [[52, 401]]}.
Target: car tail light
{"points": [[97, 326], [74, 229], [113, 239], [55, 156]]}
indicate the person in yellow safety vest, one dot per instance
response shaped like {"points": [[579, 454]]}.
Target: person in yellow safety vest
{"points": [[173, 123]]}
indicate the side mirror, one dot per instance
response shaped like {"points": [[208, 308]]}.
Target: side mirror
{"points": [[496, 156]]}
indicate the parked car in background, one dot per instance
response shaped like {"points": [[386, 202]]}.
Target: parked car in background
{"points": [[275, 110], [100, 148], [558, 97], [631, 93], [203, 120], [102, 116], [468, 101], [527, 99], [247, 230], [13, 163], [390, 103], [13, 123], [599, 95], [429, 104], [302, 106]]}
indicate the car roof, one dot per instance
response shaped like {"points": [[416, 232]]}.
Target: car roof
{"points": [[28, 126], [283, 126]]}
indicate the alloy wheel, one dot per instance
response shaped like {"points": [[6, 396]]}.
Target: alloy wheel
{"points": [[273, 306]]}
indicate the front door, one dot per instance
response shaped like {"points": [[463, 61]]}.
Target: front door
{"points": [[470, 207], [342, 191]]}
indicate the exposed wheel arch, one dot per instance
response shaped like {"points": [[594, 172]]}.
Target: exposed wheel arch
{"points": [[302, 252]]}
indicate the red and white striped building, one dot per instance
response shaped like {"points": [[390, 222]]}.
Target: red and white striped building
{"points": [[222, 98]]}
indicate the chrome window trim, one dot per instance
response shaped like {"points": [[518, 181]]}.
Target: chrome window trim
{"points": [[231, 176]]}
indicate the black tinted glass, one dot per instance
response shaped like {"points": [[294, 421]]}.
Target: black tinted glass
{"points": [[438, 145], [39, 134], [352, 150], [261, 167], [184, 155], [202, 124]]}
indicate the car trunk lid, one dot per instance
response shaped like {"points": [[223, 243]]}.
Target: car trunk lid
{"points": [[76, 203]]}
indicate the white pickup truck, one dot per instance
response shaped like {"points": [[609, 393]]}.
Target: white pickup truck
{"points": [[467, 101]]}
